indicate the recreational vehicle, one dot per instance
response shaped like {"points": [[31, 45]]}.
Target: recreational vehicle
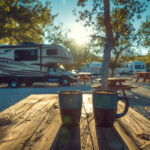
{"points": [[93, 67], [132, 67], [29, 62]]}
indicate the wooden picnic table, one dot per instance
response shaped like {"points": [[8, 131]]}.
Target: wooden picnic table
{"points": [[116, 84], [85, 77], [34, 123], [142, 75]]}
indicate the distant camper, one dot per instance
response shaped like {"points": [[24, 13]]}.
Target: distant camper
{"points": [[93, 67], [29, 62], [132, 67]]}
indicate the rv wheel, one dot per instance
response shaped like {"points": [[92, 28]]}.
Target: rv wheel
{"points": [[64, 81], [13, 83]]}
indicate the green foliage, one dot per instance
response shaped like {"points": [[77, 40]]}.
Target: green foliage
{"points": [[145, 58], [123, 14], [24, 20], [144, 34]]}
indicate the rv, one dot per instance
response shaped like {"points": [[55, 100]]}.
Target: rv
{"points": [[93, 67], [132, 67], [29, 62]]}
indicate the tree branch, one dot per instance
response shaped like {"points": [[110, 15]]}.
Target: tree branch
{"points": [[98, 37]]}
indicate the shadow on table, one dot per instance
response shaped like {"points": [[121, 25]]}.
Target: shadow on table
{"points": [[67, 138], [109, 139]]}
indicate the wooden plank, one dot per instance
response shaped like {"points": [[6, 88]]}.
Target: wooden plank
{"points": [[25, 121], [89, 110], [46, 132], [86, 139], [21, 108], [126, 138], [133, 123]]}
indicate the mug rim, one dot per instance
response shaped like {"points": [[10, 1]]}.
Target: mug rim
{"points": [[69, 92], [109, 92]]}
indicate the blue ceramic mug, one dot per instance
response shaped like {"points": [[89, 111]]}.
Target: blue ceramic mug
{"points": [[70, 107], [105, 107]]}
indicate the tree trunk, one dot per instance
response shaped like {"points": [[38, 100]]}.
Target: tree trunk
{"points": [[115, 64], [113, 72], [108, 45], [105, 66]]}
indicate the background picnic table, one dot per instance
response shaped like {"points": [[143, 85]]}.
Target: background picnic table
{"points": [[145, 76], [118, 84]]}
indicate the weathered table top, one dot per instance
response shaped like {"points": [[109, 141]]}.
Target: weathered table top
{"points": [[34, 123], [85, 73]]}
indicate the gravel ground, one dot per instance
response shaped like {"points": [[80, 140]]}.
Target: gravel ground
{"points": [[10, 96], [139, 97]]}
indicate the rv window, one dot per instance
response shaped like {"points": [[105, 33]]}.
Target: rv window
{"points": [[26, 55], [52, 52], [139, 66]]}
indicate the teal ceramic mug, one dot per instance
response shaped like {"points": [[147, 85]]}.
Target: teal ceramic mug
{"points": [[105, 107], [70, 107]]}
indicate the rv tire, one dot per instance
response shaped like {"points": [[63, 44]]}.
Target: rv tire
{"points": [[64, 81], [13, 83]]}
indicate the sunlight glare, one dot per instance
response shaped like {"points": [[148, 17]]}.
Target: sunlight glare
{"points": [[80, 34]]}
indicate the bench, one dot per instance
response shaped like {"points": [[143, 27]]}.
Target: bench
{"points": [[116, 87], [85, 79], [142, 75]]}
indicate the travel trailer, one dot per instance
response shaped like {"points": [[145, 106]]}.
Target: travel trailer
{"points": [[29, 62], [132, 67], [93, 67]]}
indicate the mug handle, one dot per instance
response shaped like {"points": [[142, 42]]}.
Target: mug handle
{"points": [[126, 106]]}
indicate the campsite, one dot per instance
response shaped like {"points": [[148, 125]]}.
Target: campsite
{"points": [[74, 75]]}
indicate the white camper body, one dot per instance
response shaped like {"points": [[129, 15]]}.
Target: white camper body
{"points": [[132, 67], [93, 67], [29, 62]]}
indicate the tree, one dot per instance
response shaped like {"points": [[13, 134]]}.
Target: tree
{"points": [[112, 28], [24, 20], [144, 33]]}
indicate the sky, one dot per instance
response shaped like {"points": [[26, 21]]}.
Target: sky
{"points": [[64, 9]]}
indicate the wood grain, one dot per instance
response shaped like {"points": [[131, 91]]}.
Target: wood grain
{"points": [[25, 121], [35, 123]]}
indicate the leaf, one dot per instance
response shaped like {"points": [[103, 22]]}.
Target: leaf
{"points": [[7, 9]]}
